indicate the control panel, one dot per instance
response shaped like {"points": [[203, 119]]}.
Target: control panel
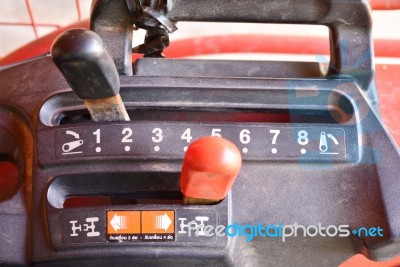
{"points": [[170, 140]]}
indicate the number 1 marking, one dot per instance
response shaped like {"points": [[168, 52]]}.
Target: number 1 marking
{"points": [[97, 134]]}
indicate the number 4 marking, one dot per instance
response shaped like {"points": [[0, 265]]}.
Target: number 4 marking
{"points": [[186, 135]]}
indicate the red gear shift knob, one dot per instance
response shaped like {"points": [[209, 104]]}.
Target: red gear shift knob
{"points": [[210, 167]]}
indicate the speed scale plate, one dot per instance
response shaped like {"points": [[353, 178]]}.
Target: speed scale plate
{"points": [[171, 140]]}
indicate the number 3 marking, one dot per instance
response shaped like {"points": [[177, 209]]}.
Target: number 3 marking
{"points": [[158, 135]]}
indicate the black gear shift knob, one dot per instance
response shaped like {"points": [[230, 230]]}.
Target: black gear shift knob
{"points": [[88, 68]]}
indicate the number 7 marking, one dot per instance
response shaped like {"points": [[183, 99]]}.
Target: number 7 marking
{"points": [[276, 133]]}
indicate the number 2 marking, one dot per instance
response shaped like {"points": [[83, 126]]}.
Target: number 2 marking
{"points": [[128, 133]]}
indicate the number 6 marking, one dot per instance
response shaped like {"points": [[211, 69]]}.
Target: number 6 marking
{"points": [[244, 136]]}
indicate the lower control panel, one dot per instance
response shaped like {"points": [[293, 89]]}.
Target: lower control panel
{"points": [[141, 224]]}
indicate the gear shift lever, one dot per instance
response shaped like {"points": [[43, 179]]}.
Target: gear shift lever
{"points": [[90, 71], [210, 167]]}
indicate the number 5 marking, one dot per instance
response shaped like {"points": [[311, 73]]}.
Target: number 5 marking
{"points": [[216, 132]]}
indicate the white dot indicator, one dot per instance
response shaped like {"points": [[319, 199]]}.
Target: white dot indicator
{"points": [[274, 151], [156, 148], [245, 150], [127, 148], [303, 151], [98, 149], [185, 148]]}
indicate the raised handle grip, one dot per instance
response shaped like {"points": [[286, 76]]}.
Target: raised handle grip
{"points": [[349, 23], [86, 64]]}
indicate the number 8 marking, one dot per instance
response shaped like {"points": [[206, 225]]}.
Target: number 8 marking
{"points": [[303, 138]]}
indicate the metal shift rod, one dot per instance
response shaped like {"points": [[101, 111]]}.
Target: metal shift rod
{"points": [[88, 68]]}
